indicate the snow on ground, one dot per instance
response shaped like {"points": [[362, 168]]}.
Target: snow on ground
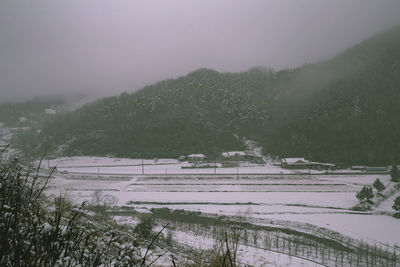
{"points": [[321, 200], [245, 254], [324, 199], [256, 211], [132, 221], [169, 167], [105, 165], [66, 162], [221, 180], [176, 168], [260, 257], [342, 200], [386, 206], [369, 228], [243, 188], [357, 179]]}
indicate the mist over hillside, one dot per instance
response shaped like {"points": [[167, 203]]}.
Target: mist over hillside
{"points": [[352, 113], [341, 110]]}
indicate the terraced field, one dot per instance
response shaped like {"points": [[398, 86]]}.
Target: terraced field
{"points": [[312, 203]]}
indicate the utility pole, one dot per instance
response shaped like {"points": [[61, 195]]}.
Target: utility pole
{"points": [[142, 167]]}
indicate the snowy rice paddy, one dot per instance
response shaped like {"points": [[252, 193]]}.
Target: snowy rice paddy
{"points": [[262, 193]]}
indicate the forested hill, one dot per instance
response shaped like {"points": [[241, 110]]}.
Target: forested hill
{"points": [[353, 114], [203, 112], [10, 113], [343, 110]]}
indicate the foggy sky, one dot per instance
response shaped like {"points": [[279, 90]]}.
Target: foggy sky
{"points": [[104, 47]]}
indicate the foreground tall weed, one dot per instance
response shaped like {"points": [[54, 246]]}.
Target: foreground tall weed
{"points": [[38, 231]]}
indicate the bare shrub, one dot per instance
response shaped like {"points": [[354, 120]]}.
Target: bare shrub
{"points": [[35, 231]]}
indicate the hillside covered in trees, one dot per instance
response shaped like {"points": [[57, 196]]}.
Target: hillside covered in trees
{"points": [[352, 114], [342, 110], [10, 113], [203, 112]]}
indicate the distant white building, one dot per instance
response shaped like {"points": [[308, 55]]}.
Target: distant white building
{"points": [[233, 154], [195, 157]]}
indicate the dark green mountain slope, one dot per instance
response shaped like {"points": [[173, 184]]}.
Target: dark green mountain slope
{"points": [[203, 112], [343, 110], [354, 115], [33, 110]]}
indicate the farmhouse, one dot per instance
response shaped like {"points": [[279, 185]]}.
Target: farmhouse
{"points": [[301, 163], [234, 155], [294, 163], [195, 157]]}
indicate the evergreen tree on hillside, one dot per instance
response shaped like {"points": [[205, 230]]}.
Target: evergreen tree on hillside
{"points": [[378, 185], [365, 194]]}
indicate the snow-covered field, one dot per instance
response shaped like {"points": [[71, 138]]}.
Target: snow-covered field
{"points": [[104, 165], [369, 228], [276, 195], [247, 255]]}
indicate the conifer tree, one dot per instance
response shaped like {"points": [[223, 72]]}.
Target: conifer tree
{"points": [[365, 194], [378, 185]]}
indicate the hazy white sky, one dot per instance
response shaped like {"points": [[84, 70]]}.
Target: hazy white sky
{"points": [[105, 47]]}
